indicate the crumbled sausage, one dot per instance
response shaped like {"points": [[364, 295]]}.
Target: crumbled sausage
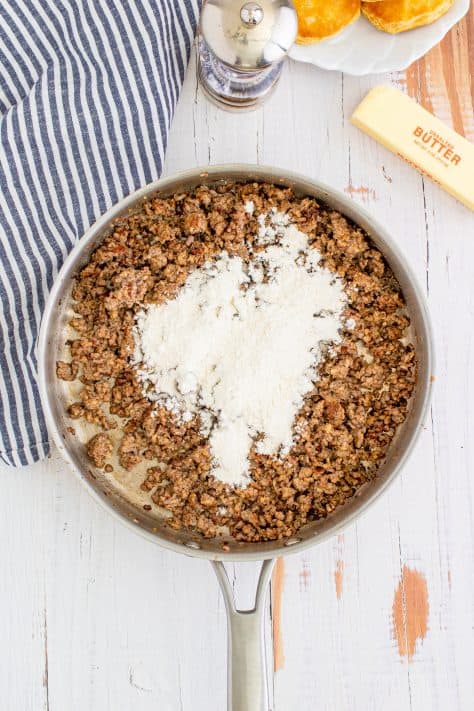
{"points": [[99, 449], [67, 371], [130, 286], [347, 422]]}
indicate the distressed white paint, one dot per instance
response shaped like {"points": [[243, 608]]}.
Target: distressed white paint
{"points": [[93, 617]]}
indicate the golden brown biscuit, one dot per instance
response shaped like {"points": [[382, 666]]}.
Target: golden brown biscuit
{"points": [[400, 15], [318, 19]]}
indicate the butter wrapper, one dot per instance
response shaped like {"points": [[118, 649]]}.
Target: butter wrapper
{"points": [[413, 133]]}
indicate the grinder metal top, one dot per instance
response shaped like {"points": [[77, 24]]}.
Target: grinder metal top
{"points": [[249, 36]]}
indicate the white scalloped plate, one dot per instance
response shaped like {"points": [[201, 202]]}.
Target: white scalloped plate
{"points": [[362, 49]]}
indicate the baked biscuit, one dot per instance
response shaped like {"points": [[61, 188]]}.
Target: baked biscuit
{"points": [[400, 15], [318, 19]]}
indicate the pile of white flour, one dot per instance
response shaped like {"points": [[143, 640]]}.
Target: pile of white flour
{"points": [[240, 342]]}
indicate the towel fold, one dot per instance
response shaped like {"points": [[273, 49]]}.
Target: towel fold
{"points": [[87, 94]]}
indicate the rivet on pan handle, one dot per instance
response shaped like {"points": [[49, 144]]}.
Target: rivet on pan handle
{"points": [[247, 681]]}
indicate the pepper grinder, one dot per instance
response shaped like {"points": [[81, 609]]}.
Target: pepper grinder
{"points": [[242, 46]]}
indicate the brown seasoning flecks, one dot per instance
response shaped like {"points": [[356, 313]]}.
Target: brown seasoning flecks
{"points": [[410, 611], [277, 590]]}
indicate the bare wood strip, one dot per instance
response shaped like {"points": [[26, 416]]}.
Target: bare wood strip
{"points": [[469, 33], [365, 193], [410, 611], [277, 590], [443, 80], [339, 578], [416, 83], [453, 89], [463, 60]]}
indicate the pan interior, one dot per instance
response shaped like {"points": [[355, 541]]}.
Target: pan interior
{"points": [[115, 493]]}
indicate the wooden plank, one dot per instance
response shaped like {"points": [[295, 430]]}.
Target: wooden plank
{"points": [[443, 80], [24, 621]]}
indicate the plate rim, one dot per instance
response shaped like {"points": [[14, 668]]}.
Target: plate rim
{"points": [[302, 53]]}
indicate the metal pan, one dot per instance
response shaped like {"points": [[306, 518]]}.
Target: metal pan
{"points": [[247, 679]]}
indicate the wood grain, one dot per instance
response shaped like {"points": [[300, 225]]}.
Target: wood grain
{"points": [[443, 80], [339, 578], [410, 611], [278, 579]]}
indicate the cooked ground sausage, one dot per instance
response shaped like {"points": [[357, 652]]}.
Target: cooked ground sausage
{"points": [[99, 449], [347, 422]]}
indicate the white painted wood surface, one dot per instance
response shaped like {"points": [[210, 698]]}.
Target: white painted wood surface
{"points": [[94, 618]]}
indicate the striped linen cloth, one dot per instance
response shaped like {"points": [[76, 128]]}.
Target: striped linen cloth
{"points": [[87, 93]]}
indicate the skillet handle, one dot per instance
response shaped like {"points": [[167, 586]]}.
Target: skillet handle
{"points": [[247, 682]]}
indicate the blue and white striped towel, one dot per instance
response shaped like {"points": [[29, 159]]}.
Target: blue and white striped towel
{"points": [[87, 93]]}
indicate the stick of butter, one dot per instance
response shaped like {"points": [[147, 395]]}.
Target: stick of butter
{"points": [[407, 129]]}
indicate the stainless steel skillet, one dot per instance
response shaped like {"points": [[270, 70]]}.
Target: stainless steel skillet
{"points": [[247, 678]]}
